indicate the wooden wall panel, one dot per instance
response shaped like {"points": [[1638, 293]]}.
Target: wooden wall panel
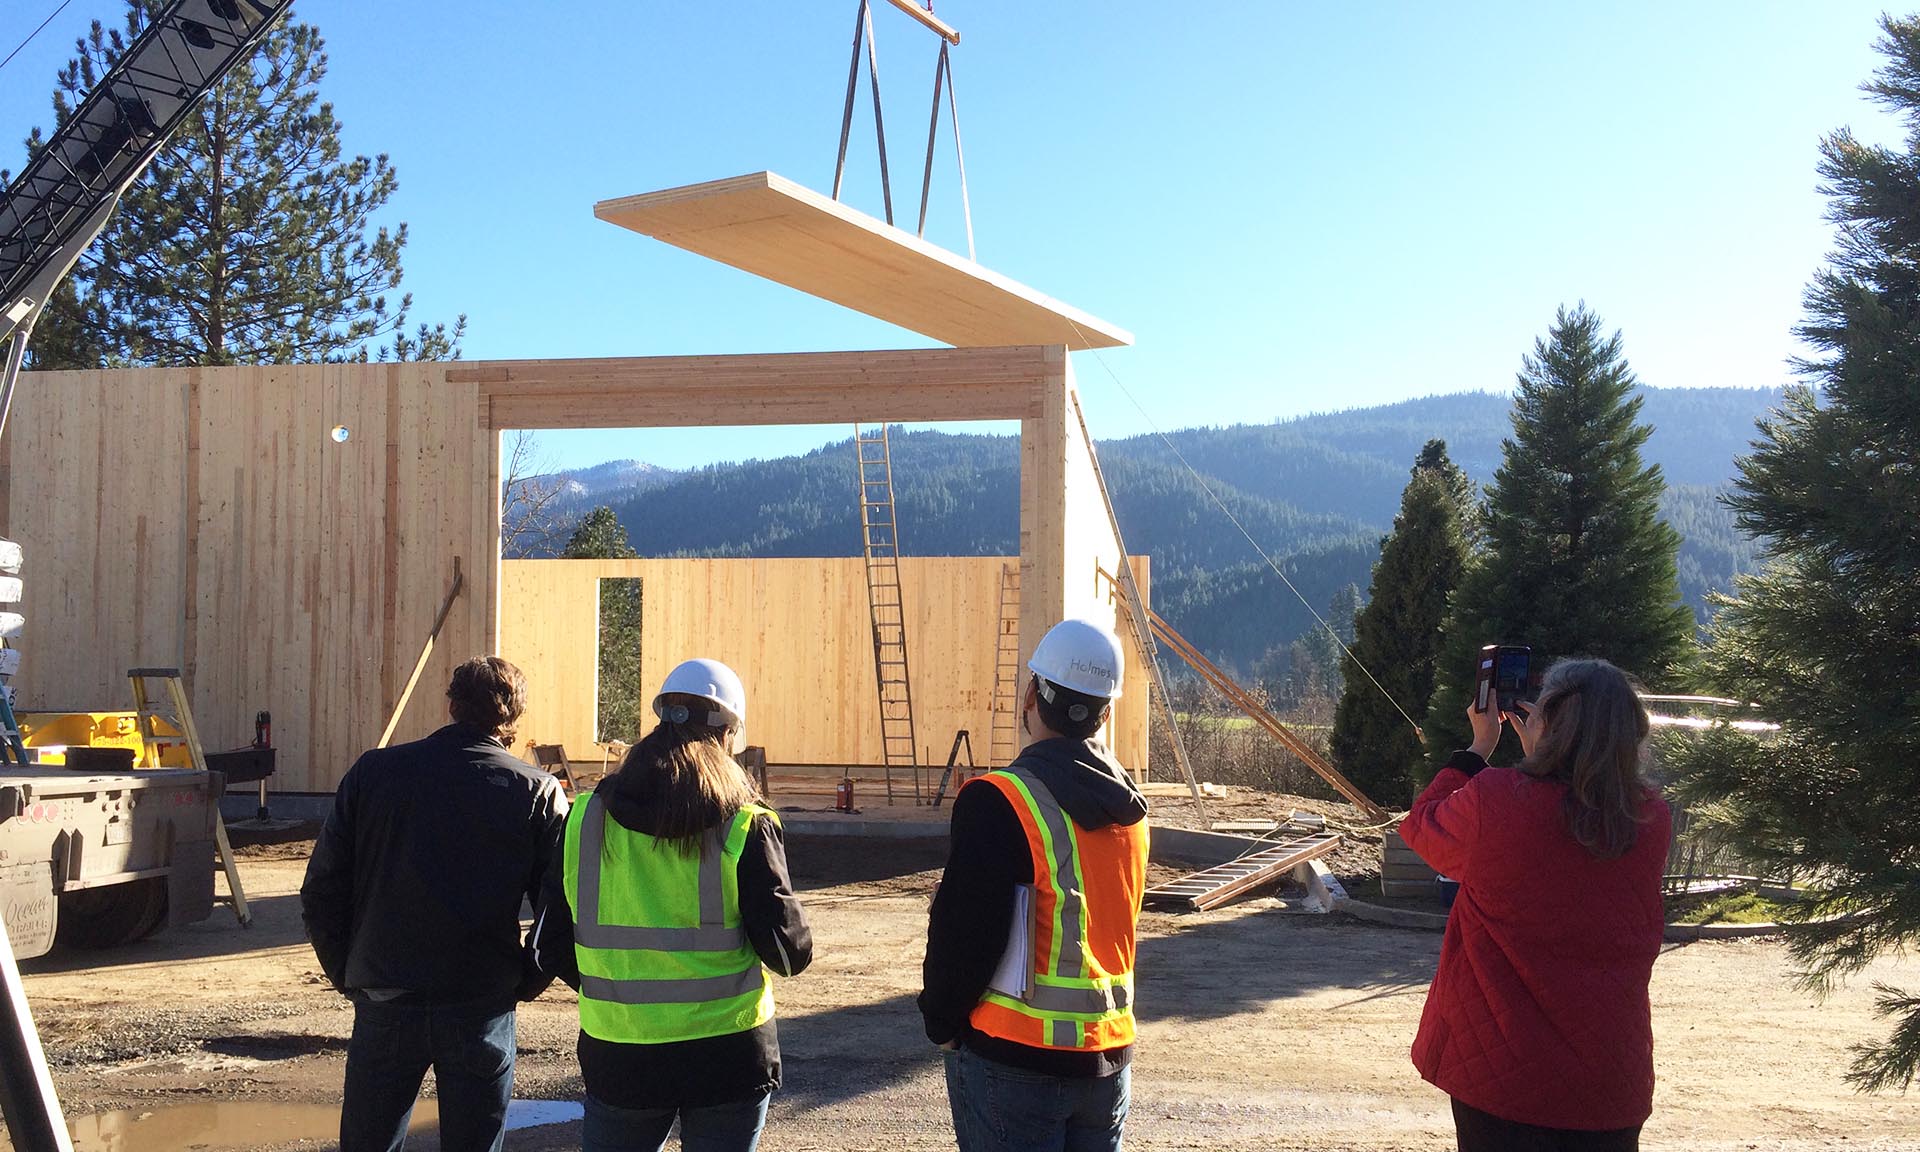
{"points": [[281, 570], [204, 518], [94, 465], [797, 632]]}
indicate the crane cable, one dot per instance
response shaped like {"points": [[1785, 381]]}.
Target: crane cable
{"points": [[1228, 512], [43, 27]]}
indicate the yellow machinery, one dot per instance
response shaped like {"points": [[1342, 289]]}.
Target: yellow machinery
{"points": [[50, 734]]}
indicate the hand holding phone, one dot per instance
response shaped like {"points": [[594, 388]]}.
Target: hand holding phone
{"points": [[1504, 677]]}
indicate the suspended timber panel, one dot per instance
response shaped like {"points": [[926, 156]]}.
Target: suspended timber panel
{"points": [[767, 225], [797, 632]]}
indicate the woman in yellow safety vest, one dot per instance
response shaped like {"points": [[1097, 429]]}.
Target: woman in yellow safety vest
{"points": [[669, 907]]}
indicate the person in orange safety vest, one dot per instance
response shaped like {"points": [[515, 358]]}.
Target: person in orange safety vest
{"points": [[1028, 980]]}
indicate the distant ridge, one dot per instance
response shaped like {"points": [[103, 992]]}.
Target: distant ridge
{"points": [[1316, 491]]}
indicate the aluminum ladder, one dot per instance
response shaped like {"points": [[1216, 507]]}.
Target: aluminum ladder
{"points": [[146, 714], [880, 543], [1003, 740]]}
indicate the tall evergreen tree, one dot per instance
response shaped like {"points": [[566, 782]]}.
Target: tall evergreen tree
{"points": [[1826, 638], [599, 536], [1397, 634], [618, 710], [1575, 560], [247, 239]]}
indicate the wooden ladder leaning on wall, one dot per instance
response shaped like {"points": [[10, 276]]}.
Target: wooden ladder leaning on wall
{"points": [[880, 544], [145, 713], [1003, 740]]}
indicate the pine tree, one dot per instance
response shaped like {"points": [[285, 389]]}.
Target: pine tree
{"points": [[1575, 560], [600, 536], [1826, 638], [1397, 634], [246, 241]]}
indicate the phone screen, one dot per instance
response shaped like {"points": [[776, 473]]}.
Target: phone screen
{"points": [[1511, 675]]}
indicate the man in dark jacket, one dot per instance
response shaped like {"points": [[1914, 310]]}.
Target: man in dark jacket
{"points": [[412, 900], [1023, 1072]]}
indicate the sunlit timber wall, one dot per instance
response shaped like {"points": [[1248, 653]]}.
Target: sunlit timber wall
{"points": [[797, 631], [207, 519]]}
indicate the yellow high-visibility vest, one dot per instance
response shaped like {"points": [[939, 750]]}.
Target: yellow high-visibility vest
{"points": [[662, 952]]}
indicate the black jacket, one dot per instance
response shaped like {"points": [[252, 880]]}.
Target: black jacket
{"points": [[988, 858], [684, 1073], [417, 878]]}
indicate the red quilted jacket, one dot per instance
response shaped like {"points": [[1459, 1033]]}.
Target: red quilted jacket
{"points": [[1539, 1011]]}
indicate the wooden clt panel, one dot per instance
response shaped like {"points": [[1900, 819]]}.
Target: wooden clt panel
{"points": [[768, 225], [776, 388]]}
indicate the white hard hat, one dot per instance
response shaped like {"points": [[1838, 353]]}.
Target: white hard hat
{"points": [[1081, 656], [709, 680]]}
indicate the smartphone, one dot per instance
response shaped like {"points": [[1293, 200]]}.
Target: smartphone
{"points": [[1505, 676]]}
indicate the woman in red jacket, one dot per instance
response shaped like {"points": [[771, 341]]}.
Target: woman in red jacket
{"points": [[1538, 1023]]}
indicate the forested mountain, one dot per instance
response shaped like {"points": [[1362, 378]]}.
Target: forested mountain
{"points": [[1316, 492]]}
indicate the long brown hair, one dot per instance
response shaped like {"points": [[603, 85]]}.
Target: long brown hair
{"points": [[684, 772], [1594, 743]]}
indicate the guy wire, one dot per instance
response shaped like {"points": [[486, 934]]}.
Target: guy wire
{"points": [[1235, 520]]}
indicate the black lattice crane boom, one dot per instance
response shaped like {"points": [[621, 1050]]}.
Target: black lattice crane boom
{"points": [[69, 188]]}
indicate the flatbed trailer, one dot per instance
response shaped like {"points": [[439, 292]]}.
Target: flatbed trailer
{"points": [[99, 859]]}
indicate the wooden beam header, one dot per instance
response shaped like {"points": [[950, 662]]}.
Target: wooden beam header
{"points": [[767, 225], [772, 388]]}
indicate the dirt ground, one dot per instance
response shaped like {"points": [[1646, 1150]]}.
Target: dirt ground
{"points": [[1259, 1030]]}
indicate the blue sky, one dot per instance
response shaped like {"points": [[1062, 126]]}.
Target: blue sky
{"points": [[1294, 207]]}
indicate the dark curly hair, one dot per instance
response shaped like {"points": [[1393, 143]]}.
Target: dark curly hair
{"points": [[489, 694]]}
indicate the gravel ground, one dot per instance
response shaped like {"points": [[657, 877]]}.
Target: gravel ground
{"points": [[1259, 1030]]}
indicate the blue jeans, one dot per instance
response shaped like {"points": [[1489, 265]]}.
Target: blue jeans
{"points": [[471, 1053], [1000, 1108], [731, 1127]]}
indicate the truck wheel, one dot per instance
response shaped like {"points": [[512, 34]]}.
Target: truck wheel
{"points": [[114, 915]]}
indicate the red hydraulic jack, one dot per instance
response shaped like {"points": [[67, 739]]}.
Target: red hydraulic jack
{"points": [[843, 795]]}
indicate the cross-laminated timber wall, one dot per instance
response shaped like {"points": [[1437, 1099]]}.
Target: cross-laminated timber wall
{"points": [[796, 630], [204, 518]]}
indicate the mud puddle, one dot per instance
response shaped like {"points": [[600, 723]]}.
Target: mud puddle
{"points": [[245, 1124]]}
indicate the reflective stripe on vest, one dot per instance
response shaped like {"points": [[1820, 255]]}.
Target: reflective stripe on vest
{"points": [[656, 966], [1067, 991]]}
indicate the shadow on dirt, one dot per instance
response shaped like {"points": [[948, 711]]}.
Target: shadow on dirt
{"points": [[826, 861], [276, 924], [857, 1050], [1206, 969]]}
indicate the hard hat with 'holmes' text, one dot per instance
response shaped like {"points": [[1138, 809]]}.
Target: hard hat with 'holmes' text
{"points": [[1081, 656], [709, 680]]}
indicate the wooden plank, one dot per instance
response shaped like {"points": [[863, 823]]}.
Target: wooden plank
{"points": [[777, 388], [940, 27], [773, 228], [1212, 887]]}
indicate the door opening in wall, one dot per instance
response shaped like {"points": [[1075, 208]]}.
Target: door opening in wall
{"points": [[620, 703]]}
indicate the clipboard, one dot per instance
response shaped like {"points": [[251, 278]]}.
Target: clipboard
{"points": [[1013, 976]]}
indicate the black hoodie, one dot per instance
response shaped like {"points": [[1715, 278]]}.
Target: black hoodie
{"points": [[687, 1073], [987, 860]]}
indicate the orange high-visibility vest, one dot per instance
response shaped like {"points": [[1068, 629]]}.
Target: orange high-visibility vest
{"points": [[1087, 887]]}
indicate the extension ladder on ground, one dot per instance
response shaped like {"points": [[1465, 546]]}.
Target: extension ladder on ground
{"points": [[1212, 887], [1003, 740], [880, 542], [145, 714]]}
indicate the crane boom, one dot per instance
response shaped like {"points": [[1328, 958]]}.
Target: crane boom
{"points": [[66, 193]]}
